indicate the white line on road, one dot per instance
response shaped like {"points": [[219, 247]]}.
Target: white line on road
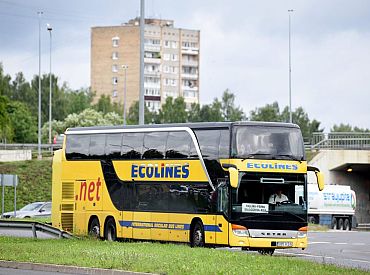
{"points": [[360, 261], [305, 255], [319, 242], [340, 243]]}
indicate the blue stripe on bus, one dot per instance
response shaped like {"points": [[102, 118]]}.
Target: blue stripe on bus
{"points": [[161, 225]]}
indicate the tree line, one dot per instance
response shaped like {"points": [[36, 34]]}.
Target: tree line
{"points": [[71, 108]]}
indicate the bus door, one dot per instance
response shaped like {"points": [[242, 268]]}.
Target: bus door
{"points": [[222, 225]]}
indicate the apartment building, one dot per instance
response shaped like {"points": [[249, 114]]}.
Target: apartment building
{"points": [[171, 62]]}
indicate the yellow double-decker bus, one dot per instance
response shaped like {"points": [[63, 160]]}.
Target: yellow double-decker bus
{"points": [[241, 184]]}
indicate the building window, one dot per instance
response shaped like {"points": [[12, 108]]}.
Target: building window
{"points": [[115, 41], [174, 57], [114, 80], [114, 93], [174, 70], [115, 68], [166, 44], [173, 82], [115, 55], [166, 69], [174, 44]]}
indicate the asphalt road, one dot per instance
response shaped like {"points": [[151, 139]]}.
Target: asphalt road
{"points": [[342, 248]]}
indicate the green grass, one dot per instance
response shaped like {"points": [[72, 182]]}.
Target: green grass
{"points": [[34, 182], [156, 257]]}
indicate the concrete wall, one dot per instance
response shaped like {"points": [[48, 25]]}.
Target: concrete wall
{"points": [[15, 155], [333, 164]]}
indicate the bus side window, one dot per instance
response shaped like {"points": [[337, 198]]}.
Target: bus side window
{"points": [[113, 146], [97, 146], [178, 145], [77, 147], [209, 141], [154, 145], [224, 151], [132, 145]]}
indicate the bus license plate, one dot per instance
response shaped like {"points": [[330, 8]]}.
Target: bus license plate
{"points": [[282, 244]]}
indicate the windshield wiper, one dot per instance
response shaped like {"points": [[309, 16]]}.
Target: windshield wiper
{"points": [[252, 156], [290, 157], [252, 216], [291, 214]]}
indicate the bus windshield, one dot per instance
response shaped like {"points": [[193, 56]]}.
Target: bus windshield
{"points": [[281, 200], [268, 143]]}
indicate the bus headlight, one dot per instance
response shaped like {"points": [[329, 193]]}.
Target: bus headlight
{"points": [[240, 231], [302, 232]]}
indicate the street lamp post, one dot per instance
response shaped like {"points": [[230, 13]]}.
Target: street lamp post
{"points": [[125, 67], [290, 74], [39, 156], [141, 93], [49, 28]]}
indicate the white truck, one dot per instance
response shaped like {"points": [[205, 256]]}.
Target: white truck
{"points": [[334, 206]]}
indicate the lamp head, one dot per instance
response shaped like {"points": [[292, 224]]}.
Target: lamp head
{"points": [[48, 27]]}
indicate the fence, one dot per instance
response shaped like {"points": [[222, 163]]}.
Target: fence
{"points": [[341, 140]]}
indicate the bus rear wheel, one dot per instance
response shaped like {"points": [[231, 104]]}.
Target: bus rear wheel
{"points": [[346, 225], [94, 228], [110, 232], [266, 251], [197, 235], [334, 223], [340, 224]]}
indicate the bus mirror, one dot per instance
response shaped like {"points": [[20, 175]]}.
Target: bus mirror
{"points": [[320, 180], [234, 177]]}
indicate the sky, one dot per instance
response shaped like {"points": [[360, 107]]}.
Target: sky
{"points": [[244, 48]]}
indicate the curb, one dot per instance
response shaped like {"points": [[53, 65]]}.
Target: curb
{"points": [[66, 269]]}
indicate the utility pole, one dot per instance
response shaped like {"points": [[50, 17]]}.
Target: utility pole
{"points": [[290, 74], [39, 156], [141, 94], [49, 28]]}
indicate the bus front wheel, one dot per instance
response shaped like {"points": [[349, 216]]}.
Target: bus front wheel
{"points": [[94, 228], [110, 232], [197, 235]]}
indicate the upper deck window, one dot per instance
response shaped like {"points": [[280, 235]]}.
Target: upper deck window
{"points": [[263, 142]]}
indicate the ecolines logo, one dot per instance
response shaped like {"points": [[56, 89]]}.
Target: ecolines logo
{"points": [[162, 171], [273, 166]]}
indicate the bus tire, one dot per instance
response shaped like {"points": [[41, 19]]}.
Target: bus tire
{"points": [[334, 223], [110, 231], [346, 225], [266, 251], [94, 228], [311, 219], [197, 235], [340, 224]]}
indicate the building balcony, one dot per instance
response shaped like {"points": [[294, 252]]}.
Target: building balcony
{"points": [[188, 88], [193, 63], [153, 73], [152, 85], [190, 51], [189, 76], [152, 48], [150, 60]]}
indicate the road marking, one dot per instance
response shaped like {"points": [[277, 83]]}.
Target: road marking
{"points": [[318, 242], [340, 243], [305, 255], [358, 244], [360, 261]]}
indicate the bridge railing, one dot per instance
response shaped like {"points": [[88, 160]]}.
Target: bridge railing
{"points": [[341, 140]]}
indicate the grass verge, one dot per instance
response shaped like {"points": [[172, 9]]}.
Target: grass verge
{"points": [[156, 257]]}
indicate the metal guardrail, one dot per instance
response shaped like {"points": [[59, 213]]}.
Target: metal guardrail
{"points": [[35, 227], [341, 140], [28, 146]]}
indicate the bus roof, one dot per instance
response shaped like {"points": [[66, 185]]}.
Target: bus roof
{"points": [[196, 125]]}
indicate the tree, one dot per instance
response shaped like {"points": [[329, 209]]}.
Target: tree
{"points": [[270, 112], [5, 126], [173, 111], [229, 111], [5, 89], [22, 122], [194, 113], [105, 105], [347, 128], [133, 115]]}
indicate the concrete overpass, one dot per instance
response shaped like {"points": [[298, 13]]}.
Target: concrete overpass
{"points": [[344, 158]]}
